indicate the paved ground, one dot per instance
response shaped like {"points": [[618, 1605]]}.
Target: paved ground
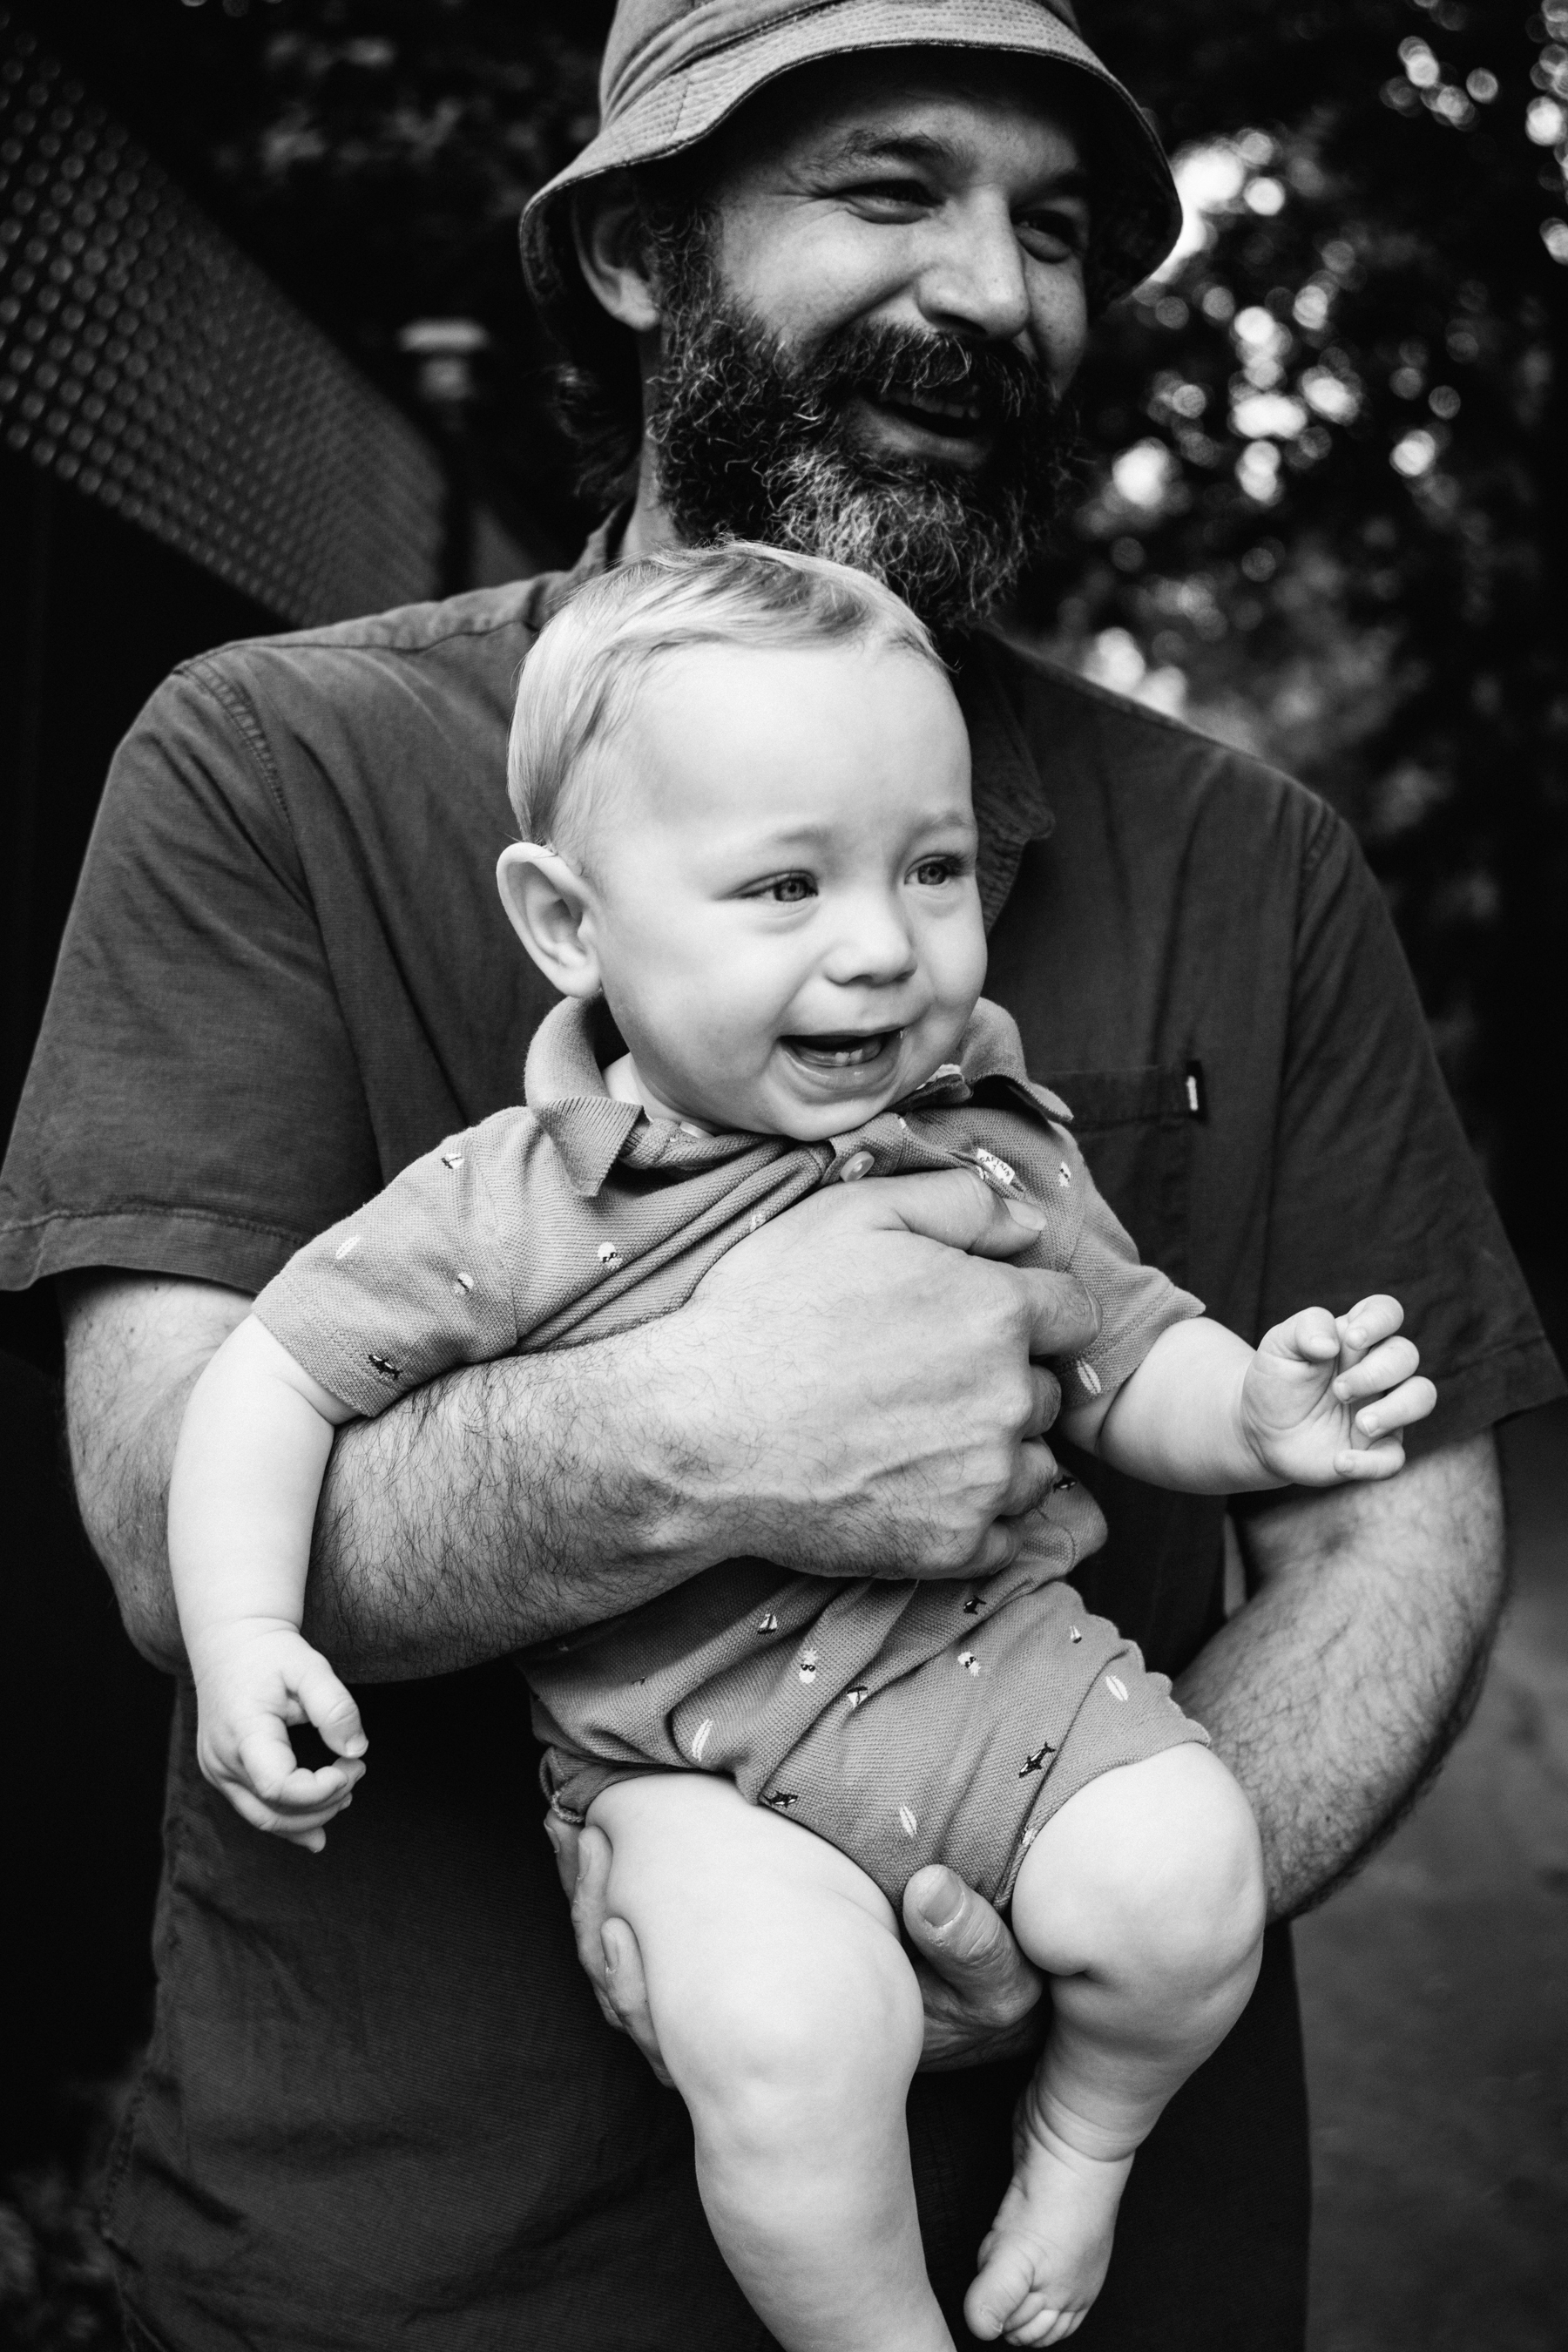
{"points": [[1436, 1990]]}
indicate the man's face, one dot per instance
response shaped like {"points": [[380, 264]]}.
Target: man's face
{"points": [[869, 337]]}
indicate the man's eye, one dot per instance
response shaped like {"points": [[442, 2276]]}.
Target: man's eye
{"points": [[787, 889], [885, 196], [1054, 236]]}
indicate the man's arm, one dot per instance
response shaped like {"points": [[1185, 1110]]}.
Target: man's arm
{"points": [[852, 1384], [1334, 1693]]}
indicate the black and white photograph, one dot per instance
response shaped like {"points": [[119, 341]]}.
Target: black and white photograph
{"points": [[783, 1271]]}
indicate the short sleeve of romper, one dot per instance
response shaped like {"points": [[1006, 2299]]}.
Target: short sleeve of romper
{"points": [[1087, 1239], [413, 1284]]}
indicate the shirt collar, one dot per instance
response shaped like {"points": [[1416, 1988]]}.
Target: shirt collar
{"points": [[990, 1062], [564, 1087]]}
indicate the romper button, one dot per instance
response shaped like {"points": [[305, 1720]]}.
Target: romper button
{"points": [[860, 1163]]}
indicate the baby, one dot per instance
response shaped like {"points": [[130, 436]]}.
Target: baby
{"points": [[749, 865]]}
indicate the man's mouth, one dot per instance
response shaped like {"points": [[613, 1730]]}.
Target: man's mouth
{"points": [[842, 1049], [952, 416]]}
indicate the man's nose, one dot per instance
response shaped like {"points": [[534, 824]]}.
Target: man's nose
{"points": [[972, 279]]}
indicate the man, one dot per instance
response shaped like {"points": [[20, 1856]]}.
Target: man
{"points": [[844, 255]]}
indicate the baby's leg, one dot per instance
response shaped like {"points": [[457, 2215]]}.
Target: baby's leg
{"points": [[790, 2020], [1143, 1900]]}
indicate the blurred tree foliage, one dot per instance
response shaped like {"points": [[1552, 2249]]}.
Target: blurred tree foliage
{"points": [[1327, 512]]}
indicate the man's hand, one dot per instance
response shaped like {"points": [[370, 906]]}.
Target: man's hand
{"points": [[981, 1996], [882, 1415]]}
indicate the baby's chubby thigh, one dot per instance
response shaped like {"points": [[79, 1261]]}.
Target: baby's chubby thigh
{"points": [[782, 1998], [1149, 1882]]}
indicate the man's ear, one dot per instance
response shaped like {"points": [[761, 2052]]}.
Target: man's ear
{"points": [[550, 910], [612, 250]]}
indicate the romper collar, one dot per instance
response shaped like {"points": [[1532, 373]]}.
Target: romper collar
{"points": [[565, 1089]]}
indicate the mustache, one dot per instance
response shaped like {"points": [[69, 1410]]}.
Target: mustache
{"points": [[908, 365]]}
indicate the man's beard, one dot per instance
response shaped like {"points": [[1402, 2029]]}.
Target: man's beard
{"points": [[752, 441]]}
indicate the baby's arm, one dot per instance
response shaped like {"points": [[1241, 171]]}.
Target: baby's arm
{"points": [[248, 1474], [1322, 1401]]}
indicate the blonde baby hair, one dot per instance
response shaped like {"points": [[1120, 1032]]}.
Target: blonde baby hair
{"points": [[582, 676]]}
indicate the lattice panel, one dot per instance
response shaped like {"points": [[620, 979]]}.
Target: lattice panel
{"points": [[146, 360]]}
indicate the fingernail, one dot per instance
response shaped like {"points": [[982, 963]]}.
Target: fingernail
{"points": [[938, 1896], [1026, 1213]]}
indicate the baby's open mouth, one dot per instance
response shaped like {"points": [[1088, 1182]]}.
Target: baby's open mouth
{"points": [[842, 1049]]}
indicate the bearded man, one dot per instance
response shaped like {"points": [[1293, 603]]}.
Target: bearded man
{"points": [[840, 258]]}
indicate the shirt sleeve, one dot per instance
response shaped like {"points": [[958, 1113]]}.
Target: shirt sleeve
{"points": [[193, 1105], [411, 1285], [1374, 1186], [1136, 1302]]}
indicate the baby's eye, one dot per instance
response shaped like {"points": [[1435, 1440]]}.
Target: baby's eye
{"points": [[787, 889], [932, 872]]}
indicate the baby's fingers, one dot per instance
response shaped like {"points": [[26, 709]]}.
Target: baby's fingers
{"points": [[1411, 1401], [1312, 1336], [1369, 1321], [1387, 1364], [291, 1790], [306, 1829], [330, 1708]]}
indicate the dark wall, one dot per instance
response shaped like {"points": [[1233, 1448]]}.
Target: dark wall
{"points": [[92, 616]]}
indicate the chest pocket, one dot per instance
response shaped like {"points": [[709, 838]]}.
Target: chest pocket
{"points": [[1134, 1128]]}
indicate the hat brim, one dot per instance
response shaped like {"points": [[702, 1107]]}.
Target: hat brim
{"points": [[1135, 215]]}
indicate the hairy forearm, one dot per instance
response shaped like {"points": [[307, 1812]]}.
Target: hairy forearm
{"points": [[1335, 1692], [501, 1505]]}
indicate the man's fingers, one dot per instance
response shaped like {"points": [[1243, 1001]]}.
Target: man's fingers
{"points": [[969, 1945], [590, 1907], [564, 1836], [625, 1989], [954, 1207], [1062, 1318]]}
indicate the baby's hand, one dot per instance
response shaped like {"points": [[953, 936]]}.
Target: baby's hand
{"points": [[1327, 1398], [254, 1679]]}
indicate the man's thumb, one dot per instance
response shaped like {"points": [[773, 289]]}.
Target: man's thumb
{"points": [[964, 1212]]}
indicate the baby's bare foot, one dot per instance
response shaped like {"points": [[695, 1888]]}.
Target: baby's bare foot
{"points": [[1044, 2259]]}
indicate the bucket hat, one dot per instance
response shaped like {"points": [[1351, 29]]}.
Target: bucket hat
{"points": [[674, 71]]}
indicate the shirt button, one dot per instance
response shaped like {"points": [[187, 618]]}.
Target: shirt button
{"points": [[860, 1163]]}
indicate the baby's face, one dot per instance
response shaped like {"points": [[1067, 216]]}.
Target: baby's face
{"points": [[784, 907]]}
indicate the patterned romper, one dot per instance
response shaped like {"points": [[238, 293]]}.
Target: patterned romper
{"points": [[907, 1722]]}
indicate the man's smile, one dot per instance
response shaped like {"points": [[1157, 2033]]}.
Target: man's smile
{"points": [[926, 425]]}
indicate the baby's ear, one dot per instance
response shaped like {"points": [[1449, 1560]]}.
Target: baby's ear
{"points": [[550, 908]]}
